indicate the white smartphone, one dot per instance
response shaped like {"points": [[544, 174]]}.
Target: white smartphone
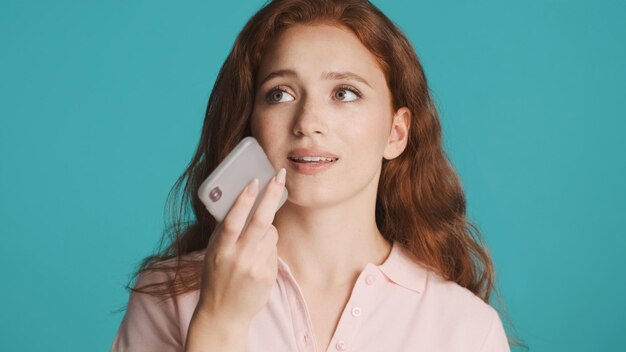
{"points": [[244, 163]]}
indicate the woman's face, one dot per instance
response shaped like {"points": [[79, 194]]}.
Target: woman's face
{"points": [[319, 87]]}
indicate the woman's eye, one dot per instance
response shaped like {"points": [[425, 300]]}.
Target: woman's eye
{"points": [[347, 94], [276, 95]]}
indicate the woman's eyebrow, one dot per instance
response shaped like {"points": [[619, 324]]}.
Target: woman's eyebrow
{"points": [[325, 75]]}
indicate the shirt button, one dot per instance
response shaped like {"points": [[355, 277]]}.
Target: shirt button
{"points": [[306, 339], [370, 279], [356, 311], [340, 346]]}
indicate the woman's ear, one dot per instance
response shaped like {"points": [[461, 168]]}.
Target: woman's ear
{"points": [[399, 134]]}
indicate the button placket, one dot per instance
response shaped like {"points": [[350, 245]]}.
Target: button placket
{"points": [[302, 319], [364, 294], [340, 346], [307, 338], [356, 312]]}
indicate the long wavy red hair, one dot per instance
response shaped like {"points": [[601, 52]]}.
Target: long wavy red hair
{"points": [[420, 202]]}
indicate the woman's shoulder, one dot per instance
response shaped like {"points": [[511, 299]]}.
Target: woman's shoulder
{"points": [[165, 270], [438, 293], [457, 302], [156, 322], [463, 317]]}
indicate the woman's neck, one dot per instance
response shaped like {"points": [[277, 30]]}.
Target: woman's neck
{"points": [[327, 247]]}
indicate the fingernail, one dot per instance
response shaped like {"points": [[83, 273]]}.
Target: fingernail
{"points": [[280, 176], [253, 186]]}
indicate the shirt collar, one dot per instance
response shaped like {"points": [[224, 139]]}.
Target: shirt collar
{"points": [[401, 268]]}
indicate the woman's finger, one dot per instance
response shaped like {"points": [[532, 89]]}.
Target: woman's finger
{"points": [[235, 219], [264, 214]]}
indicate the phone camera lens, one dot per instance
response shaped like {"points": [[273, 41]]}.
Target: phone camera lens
{"points": [[215, 194]]}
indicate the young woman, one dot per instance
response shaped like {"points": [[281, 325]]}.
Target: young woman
{"points": [[372, 251]]}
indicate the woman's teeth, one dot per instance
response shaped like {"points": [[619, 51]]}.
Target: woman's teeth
{"points": [[311, 159]]}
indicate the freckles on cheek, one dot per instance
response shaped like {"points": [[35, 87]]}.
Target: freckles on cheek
{"points": [[257, 120], [374, 134], [260, 127], [253, 127]]}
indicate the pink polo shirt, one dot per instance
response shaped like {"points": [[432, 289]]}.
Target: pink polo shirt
{"points": [[395, 306]]}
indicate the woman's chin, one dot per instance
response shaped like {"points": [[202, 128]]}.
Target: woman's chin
{"points": [[310, 198]]}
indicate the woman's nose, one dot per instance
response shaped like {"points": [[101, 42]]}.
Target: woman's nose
{"points": [[310, 118]]}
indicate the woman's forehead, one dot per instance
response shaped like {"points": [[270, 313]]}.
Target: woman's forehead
{"points": [[315, 50]]}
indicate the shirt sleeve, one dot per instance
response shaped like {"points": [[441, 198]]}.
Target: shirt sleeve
{"points": [[150, 323], [496, 340]]}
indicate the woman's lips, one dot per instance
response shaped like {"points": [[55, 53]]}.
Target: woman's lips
{"points": [[311, 168]]}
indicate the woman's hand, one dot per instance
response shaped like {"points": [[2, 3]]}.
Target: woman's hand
{"points": [[239, 270]]}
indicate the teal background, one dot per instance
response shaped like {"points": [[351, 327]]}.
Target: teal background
{"points": [[102, 105]]}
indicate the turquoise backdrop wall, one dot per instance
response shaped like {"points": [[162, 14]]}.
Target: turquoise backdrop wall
{"points": [[102, 104]]}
